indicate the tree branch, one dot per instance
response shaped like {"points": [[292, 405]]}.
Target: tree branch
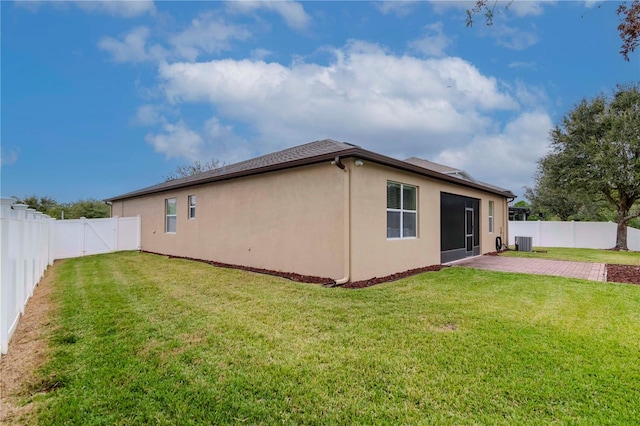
{"points": [[629, 27], [632, 216]]}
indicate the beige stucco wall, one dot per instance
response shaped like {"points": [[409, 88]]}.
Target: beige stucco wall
{"points": [[294, 221], [373, 255], [290, 221]]}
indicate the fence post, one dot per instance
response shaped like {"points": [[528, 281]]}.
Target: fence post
{"points": [[139, 232], [116, 235], [29, 255], [572, 229], [39, 248], [52, 241], [84, 235], [20, 258], [5, 212]]}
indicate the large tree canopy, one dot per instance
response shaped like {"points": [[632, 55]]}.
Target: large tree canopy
{"points": [[595, 152], [548, 198], [628, 28]]}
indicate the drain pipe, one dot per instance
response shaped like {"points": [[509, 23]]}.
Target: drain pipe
{"points": [[347, 223], [505, 223]]}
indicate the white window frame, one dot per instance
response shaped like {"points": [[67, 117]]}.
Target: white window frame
{"points": [[167, 215], [191, 200], [491, 210], [402, 210]]}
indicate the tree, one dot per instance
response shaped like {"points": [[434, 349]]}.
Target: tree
{"points": [[548, 198], [596, 153], [90, 208], [41, 204], [628, 28], [185, 170]]}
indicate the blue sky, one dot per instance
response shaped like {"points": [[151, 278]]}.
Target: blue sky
{"points": [[101, 98]]}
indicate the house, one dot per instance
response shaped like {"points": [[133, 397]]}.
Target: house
{"points": [[519, 213], [326, 209]]}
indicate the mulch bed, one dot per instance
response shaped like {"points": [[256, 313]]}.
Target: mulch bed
{"points": [[289, 275], [623, 274], [311, 279], [393, 277]]}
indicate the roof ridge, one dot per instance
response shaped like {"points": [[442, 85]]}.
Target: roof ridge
{"points": [[305, 154]]}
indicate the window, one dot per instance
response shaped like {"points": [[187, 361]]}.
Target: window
{"points": [[402, 210], [491, 216], [170, 214], [192, 206]]}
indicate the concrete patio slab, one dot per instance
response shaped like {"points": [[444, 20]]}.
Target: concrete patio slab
{"points": [[559, 268]]}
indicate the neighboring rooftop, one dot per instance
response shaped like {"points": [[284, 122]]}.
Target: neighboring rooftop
{"points": [[311, 153], [441, 168]]}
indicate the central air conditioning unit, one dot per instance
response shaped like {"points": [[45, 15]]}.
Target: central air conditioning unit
{"points": [[524, 243]]}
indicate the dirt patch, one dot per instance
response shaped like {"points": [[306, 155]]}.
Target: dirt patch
{"points": [[28, 351], [393, 277], [629, 274]]}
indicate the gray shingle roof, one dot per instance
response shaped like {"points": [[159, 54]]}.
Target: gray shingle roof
{"points": [[436, 167], [280, 158], [312, 153], [451, 171]]}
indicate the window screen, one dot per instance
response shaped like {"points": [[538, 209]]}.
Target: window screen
{"points": [[402, 210], [170, 214]]}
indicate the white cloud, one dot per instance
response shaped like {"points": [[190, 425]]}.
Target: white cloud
{"points": [[131, 48], [8, 157], [519, 8], [148, 115], [523, 65], [223, 143], [365, 95], [260, 54], [506, 26], [433, 43], [528, 7], [533, 96], [400, 8], [215, 140], [119, 8], [592, 3], [292, 12], [511, 37], [505, 158], [177, 141], [208, 33], [122, 8]]}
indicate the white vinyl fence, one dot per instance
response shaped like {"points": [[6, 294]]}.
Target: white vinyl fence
{"points": [[30, 241], [597, 235]]}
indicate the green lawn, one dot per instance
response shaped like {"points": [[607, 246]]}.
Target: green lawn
{"points": [[145, 339], [580, 255]]}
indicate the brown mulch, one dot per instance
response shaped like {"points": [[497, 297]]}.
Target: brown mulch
{"points": [[310, 279], [623, 274], [393, 277], [28, 351]]}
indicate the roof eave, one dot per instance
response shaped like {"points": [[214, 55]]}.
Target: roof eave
{"points": [[351, 152], [403, 165], [266, 169]]}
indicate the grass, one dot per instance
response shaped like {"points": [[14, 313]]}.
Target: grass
{"points": [[580, 255], [144, 339]]}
